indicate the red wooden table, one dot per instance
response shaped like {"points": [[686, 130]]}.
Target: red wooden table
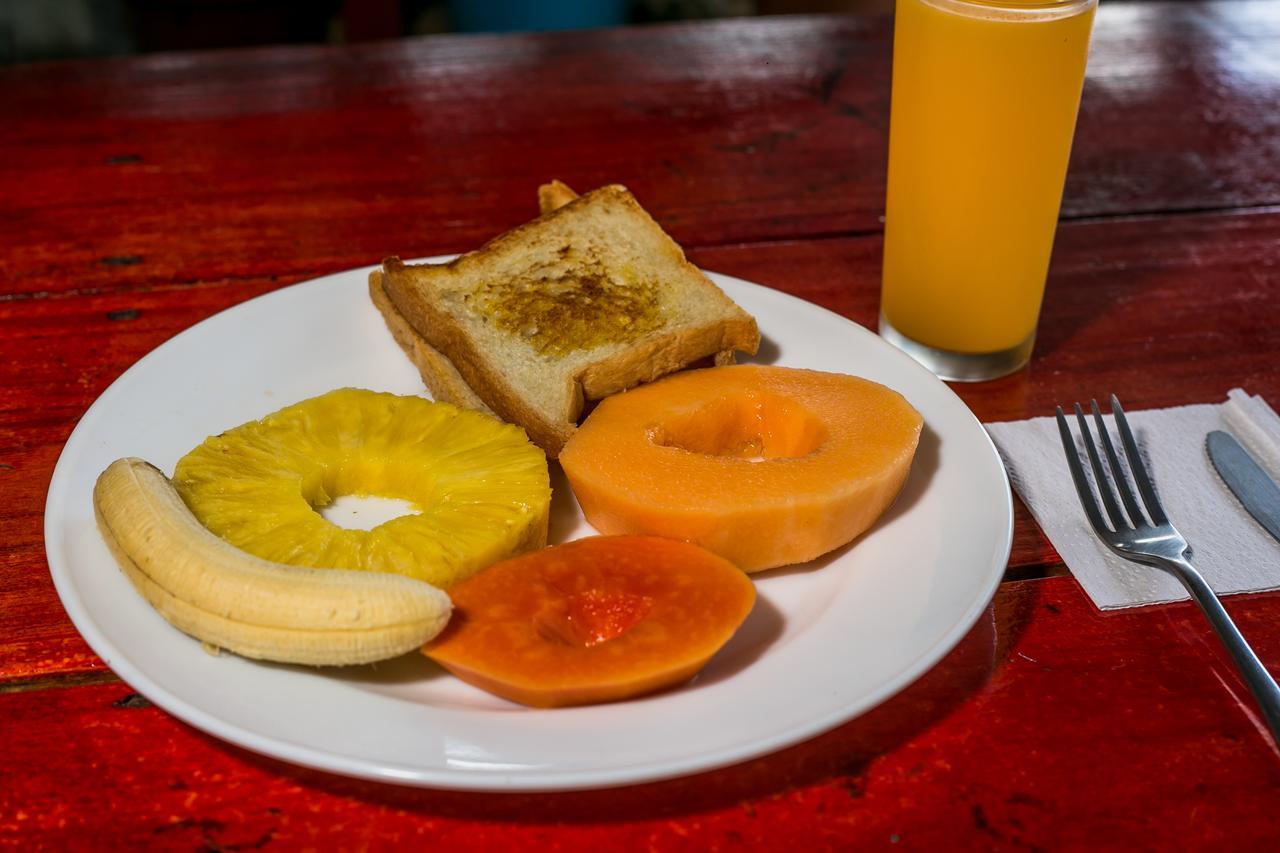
{"points": [[138, 196]]}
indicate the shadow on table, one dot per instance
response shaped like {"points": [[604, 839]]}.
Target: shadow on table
{"points": [[1093, 275], [840, 756]]}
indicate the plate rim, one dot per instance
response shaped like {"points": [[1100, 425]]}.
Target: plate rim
{"points": [[490, 780]]}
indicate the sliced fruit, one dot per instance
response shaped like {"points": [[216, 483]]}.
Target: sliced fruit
{"points": [[593, 620], [481, 490], [235, 601], [766, 466]]}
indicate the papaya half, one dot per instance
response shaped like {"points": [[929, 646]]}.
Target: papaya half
{"points": [[593, 620], [766, 466]]}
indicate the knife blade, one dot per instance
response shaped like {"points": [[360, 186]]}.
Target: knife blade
{"points": [[1251, 485]]}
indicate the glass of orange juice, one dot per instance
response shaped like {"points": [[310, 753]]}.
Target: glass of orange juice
{"points": [[985, 94]]}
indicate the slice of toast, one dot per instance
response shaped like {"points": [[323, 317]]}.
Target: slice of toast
{"points": [[438, 373], [585, 301]]}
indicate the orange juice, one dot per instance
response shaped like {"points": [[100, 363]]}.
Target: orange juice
{"points": [[984, 106]]}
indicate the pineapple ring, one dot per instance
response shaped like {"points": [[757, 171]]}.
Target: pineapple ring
{"points": [[480, 488]]}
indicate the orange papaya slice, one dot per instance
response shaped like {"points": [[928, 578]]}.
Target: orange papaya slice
{"points": [[766, 466], [593, 620]]}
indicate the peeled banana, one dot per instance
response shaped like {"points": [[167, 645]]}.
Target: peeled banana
{"points": [[244, 604]]}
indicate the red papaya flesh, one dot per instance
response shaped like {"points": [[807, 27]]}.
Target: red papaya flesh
{"points": [[593, 620]]}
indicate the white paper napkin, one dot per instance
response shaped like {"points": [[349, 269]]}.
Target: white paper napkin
{"points": [[1232, 551]]}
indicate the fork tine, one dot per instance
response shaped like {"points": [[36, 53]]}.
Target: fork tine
{"points": [[1090, 505], [1118, 521], [1137, 466], [1121, 481]]}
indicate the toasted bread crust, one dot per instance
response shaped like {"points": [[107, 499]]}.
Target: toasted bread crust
{"points": [[446, 383], [437, 329], [438, 373], [654, 358], [701, 321], [554, 195], [520, 235]]}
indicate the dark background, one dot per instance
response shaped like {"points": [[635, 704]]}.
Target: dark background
{"points": [[35, 30]]}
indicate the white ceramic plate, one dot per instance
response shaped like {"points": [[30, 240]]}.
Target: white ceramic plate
{"points": [[825, 642]]}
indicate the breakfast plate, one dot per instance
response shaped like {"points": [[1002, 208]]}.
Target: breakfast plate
{"points": [[826, 641]]}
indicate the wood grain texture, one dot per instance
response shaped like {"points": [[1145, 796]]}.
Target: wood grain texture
{"points": [[1005, 744], [56, 356], [156, 170], [1158, 310], [1194, 295], [140, 196]]}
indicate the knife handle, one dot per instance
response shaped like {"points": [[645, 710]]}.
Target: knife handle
{"points": [[1260, 682]]}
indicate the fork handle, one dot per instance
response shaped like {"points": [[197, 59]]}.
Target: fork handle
{"points": [[1260, 682]]}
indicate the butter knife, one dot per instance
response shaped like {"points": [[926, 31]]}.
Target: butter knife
{"points": [[1247, 480]]}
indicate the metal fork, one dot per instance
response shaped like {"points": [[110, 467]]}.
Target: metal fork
{"points": [[1152, 539]]}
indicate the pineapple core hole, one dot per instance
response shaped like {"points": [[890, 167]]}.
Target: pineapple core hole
{"points": [[364, 512]]}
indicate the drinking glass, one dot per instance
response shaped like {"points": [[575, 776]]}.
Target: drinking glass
{"points": [[984, 105]]}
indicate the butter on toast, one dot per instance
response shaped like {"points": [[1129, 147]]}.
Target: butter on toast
{"points": [[585, 301]]}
